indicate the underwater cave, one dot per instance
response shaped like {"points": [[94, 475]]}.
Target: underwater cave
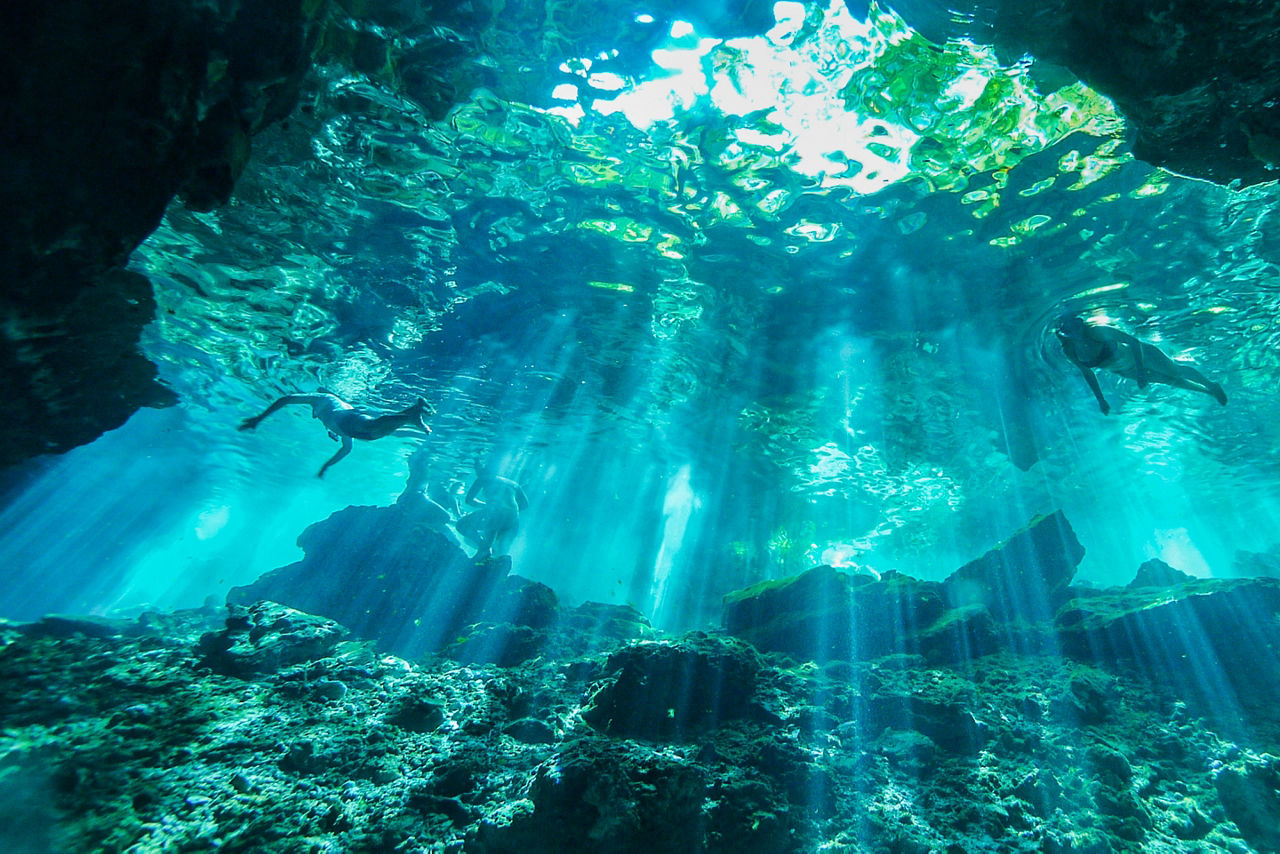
{"points": [[593, 426]]}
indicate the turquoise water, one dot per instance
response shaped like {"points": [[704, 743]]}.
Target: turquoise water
{"points": [[726, 306]]}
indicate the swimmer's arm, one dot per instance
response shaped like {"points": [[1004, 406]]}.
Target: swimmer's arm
{"points": [[250, 423], [1095, 388], [522, 500], [473, 494], [342, 452]]}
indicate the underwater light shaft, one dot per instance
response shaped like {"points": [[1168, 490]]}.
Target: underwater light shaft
{"points": [[708, 426]]}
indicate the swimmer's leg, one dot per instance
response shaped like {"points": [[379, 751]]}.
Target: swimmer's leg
{"points": [[342, 452], [250, 423], [384, 425], [469, 526], [1192, 380], [503, 526], [502, 540], [1142, 353]]}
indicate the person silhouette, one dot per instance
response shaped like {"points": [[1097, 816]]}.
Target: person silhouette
{"points": [[493, 526], [434, 507], [1090, 347], [345, 422]]}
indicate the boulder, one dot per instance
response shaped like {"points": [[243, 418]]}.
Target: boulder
{"points": [[1205, 638], [389, 577], [65, 626], [824, 615], [503, 644], [1250, 796], [608, 622], [601, 795], [1265, 564], [666, 690], [1157, 573], [266, 638], [1026, 577]]}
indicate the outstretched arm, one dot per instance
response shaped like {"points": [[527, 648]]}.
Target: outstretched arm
{"points": [[342, 452], [473, 494], [250, 423], [522, 500], [1095, 388]]}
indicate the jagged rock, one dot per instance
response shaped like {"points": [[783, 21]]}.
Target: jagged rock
{"points": [[902, 694], [1025, 577], [674, 689], [110, 110], [949, 725], [748, 815], [540, 627], [606, 796], [139, 746], [1175, 634], [991, 602], [608, 622], [266, 638], [1250, 795], [60, 626], [497, 643], [388, 576], [1196, 80], [825, 615], [71, 370], [1157, 573], [1090, 698]]}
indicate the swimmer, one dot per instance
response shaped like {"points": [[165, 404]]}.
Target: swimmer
{"points": [[344, 422], [437, 511], [1089, 347], [494, 524]]}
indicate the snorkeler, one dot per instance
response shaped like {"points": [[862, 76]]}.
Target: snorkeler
{"points": [[344, 422], [1089, 347], [437, 511], [494, 525]]}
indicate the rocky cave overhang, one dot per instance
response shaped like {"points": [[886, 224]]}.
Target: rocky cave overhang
{"points": [[110, 112]]}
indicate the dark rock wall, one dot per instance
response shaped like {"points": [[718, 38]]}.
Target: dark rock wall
{"points": [[107, 112], [1198, 81]]}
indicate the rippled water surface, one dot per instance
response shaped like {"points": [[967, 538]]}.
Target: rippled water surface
{"points": [[727, 305]]}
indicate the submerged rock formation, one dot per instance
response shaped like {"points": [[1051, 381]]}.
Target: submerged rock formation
{"points": [[143, 737], [543, 730], [1204, 640], [991, 603], [109, 111], [390, 576], [1207, 640]]}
